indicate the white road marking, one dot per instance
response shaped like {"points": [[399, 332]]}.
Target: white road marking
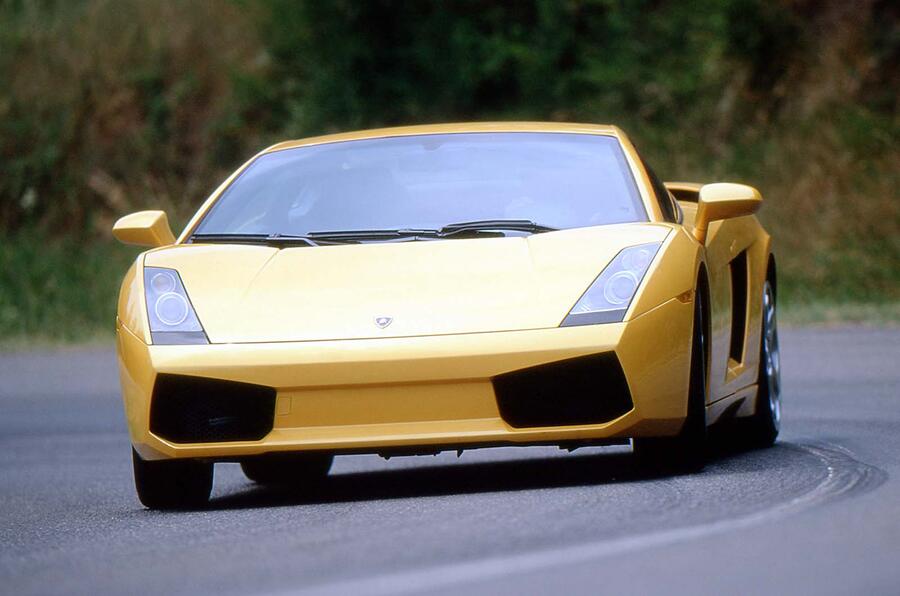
{"points": [[837, 481]]}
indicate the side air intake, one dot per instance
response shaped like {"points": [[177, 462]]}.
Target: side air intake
{"points": [[586, 390], [199, 410]]}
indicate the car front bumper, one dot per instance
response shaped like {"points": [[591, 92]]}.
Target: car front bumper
{"points": [[379, 395]]}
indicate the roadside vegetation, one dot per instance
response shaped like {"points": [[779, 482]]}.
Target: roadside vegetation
{"points": [[110, 106]]}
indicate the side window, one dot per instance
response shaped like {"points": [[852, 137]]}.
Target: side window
{"points": [[662, 195]]}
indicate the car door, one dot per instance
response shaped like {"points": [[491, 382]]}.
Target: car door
{"points": [[735, 254]]}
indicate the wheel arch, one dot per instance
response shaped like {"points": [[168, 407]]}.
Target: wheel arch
{"points": [[772, 275], [702, 293]]}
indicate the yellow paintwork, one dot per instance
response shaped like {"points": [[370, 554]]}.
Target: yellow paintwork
{"points": [[144, 228], [723, 200], [371, 394], [301, 320], [729, 380], [503, 280]]}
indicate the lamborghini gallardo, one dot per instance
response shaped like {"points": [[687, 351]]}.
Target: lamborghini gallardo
{"points": [[446, 287]]}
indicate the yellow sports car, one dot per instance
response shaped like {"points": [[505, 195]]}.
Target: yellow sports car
{"points": [[418, 289]]}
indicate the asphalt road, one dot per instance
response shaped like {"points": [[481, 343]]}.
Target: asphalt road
{"points": [[819, 513]]}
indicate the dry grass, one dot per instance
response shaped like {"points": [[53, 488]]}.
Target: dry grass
{"points": [[113, 105]]}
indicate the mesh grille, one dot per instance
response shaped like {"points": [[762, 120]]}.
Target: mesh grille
{"points": [[587, 390], [199, 410]]}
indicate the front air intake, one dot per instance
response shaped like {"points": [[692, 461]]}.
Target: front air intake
{"points": [[200, 410], [586, 390]]}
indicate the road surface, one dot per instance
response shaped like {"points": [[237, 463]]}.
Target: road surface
{"points": [[819, 513]]}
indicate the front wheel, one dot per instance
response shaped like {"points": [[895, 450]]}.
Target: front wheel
{"points": [[762, 428], [687, 450], [288, 469], [172, 484]]}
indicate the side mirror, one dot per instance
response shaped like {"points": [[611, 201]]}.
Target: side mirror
{"points": [[144, 228], [723, 200]]}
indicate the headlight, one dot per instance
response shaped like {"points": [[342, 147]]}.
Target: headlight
{"points": [[609, 296], [172, 318]]}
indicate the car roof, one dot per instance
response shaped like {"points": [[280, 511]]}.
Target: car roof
{"points": [[463, 127]]}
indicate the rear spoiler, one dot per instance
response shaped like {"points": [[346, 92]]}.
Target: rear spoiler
{"points": [[685, 191]]}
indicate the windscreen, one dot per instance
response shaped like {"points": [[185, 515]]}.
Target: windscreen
{"points": [[557, 180]]}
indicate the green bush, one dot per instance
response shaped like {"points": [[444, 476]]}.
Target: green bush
{"points": [[59, 289], [109, 106]]}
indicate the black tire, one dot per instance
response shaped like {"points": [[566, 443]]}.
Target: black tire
{"points": [[172, 484], [762, 428], [687, 450], [289, 469]]}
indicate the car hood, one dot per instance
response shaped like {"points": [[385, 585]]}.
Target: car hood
{"points": [[262, 294]]}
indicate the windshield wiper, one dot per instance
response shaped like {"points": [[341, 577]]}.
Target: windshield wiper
{"points": [[491, 227], [486, 226], [268, 239], [362, 235], [517, 225]]}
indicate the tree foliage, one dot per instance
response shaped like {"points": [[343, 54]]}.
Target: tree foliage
{"points": [[112, 105]]}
